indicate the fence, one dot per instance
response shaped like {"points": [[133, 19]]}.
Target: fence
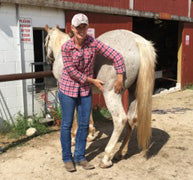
{"points": [[6, 94], [98, 99]]}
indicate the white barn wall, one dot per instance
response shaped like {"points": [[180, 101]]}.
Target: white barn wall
{"points": [[40, 17], [11, 92], [12, 52]]}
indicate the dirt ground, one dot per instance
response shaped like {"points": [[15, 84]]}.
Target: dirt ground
{"points": [[170, 155]]}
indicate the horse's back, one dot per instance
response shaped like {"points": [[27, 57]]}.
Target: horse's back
{"points": [[123, 41]]}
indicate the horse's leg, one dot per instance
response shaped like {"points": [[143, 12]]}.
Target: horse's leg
{"points": [[115, 107], [123, 148], [74, 128], [132, 117], [91, 134]]}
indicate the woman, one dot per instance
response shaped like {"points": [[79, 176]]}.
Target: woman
{"points": [[78, 55]]}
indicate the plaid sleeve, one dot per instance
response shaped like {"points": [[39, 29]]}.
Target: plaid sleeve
{"points": [[70, 68], [110, 53]]}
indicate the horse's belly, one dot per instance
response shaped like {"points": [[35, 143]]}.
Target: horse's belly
{"points": [[124, 42]]}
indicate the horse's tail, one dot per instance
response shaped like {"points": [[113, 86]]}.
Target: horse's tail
{"points": [[145, 85]]}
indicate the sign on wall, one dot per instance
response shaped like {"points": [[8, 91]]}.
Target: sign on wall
{"points": [[187, 41], [25, 30]]}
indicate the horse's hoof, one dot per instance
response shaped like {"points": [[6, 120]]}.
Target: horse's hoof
{"points": [[91, 138], [103, 165]]}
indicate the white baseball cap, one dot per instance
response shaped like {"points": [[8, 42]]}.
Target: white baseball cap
{"points": [[79, 19]]}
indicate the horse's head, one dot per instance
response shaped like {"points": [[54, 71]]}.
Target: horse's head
{"points": [[53, 42], [48, 45]]}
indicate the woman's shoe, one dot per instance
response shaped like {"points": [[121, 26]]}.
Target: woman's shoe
{"points": [[69, 166], [85, 164]]}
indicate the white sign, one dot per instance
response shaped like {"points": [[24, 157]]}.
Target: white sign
{"points": [[187, 41], [91, 32], [25, 30]]}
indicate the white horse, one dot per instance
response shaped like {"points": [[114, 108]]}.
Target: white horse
{"points": [[139, 58]]}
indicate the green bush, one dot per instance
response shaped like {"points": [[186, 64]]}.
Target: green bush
{"points": [[101, 114], [56, 113], [190, 86], [5, 127], [41, 128], [22, 124]]}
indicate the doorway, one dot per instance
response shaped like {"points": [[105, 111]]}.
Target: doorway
{"points": [[40, 61], [164, 35]]}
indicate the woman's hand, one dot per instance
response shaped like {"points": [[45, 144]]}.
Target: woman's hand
{"points": [[118, 85], [98, 83]]}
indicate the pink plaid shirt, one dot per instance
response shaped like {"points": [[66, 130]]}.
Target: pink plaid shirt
{"points": [[78, 65]]}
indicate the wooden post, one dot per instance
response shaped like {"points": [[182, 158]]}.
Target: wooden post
{"points": [[22, 76]]}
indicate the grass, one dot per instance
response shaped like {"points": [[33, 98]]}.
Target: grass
{"points": [[190, 86], [12, 135], [101, 114], [98, 113], [21, 124]]}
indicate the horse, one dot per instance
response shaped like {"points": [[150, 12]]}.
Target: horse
{"points": [[140, 58]]}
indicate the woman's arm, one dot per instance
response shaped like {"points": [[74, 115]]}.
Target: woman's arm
{"points": [[98, 83], [118, 63], [70, 68], [77, 75], [112, 54]]}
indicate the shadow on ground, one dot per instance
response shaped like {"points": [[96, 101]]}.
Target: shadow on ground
{"points": [[158, 140]]}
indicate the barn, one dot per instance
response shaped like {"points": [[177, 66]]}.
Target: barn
{"points": [[167, 23]]}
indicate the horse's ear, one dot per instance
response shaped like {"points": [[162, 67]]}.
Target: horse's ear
{"points": [[46, 28], [57, 26]]}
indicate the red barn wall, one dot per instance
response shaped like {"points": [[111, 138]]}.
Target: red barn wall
{"points": [[102, 22], [187, 58], [174, 7], [123, 4]]}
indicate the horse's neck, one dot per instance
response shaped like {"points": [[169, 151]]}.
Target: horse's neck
{"points": [[59, 39]]}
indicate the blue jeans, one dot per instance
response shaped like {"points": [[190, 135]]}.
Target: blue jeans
{"points": [[68, 105]]}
